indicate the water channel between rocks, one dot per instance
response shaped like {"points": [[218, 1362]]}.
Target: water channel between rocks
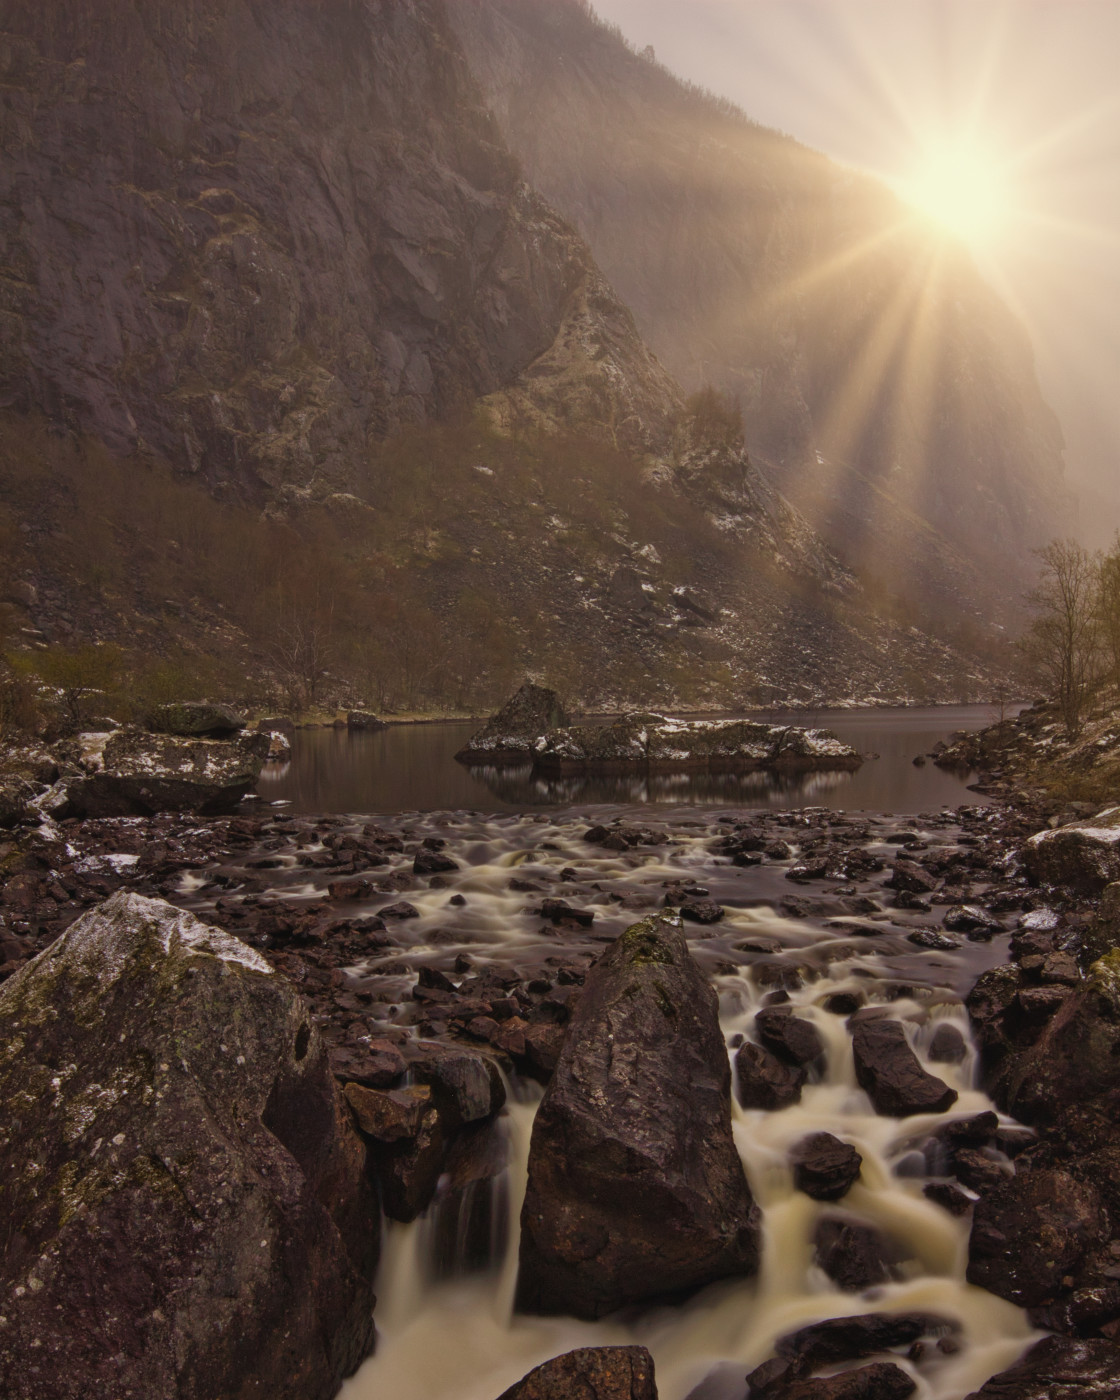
{"points": [[444, 1314]]}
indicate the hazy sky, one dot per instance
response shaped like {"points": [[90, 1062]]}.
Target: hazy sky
{"points": [[1031, 88]]}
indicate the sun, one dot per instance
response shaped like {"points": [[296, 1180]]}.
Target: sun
{"points": [[962, 187]]}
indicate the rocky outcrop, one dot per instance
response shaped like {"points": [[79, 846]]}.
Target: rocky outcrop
{"points": [[635, 1188], [661, 744], [1058, 1366], [172, 1132], [590, 1373], [252, 241], [510, 734], [133, 773]]}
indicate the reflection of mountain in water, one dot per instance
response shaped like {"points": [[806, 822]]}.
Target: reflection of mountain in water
{"points": [[522, 786]]}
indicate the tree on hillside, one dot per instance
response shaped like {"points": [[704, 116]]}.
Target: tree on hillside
{"points": [[1108, 610], [1063, 641]]}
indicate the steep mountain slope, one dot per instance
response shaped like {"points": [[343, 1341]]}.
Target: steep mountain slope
{"points": [[283, 252], [884, 387]]}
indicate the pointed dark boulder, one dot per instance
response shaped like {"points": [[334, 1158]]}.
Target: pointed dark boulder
{"points": [[508, 736], [636, 1191]]}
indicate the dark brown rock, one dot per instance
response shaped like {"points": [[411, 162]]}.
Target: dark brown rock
{"points": [[764, 1081], [1032, 1231], [509, 735], [590, 1373], [635, 1188], [790, 1037], [1059, 1368], [889, 1071], [853, 1254], [881, 1381], [193, 1157], [948, 1045], [392, 1115], [824, 1167], [839, 1339]]}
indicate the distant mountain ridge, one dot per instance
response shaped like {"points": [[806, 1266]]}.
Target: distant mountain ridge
{"points": [[884, 386]]}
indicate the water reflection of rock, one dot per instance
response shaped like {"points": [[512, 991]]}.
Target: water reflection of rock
{"points": [[524, 786]]}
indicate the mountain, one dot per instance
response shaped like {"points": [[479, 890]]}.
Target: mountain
{"points": [[884, 386], [300, 374]]}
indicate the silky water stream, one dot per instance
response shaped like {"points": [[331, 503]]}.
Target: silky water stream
{"points": [[444, 1314]]}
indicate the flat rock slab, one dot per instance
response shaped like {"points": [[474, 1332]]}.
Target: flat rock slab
{"points": [[173, 1134], [590, 1373], [636, 1191], [889, 1071]]}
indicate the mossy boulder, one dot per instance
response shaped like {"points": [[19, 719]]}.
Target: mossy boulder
{"points": [[188, 1214], [636, 1191]]}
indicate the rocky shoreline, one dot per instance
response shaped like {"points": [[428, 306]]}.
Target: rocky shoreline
{"points": [[384, 933]]}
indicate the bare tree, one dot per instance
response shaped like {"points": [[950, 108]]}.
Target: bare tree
{"points": [[1108, 610], [1064, 639]]}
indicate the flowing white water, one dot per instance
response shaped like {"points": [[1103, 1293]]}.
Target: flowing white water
{"points": [[458, 1339], [455, 1337]]}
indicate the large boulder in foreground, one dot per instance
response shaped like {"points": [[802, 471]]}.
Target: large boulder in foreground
{"points": [[135, 773], [1084, 856], [636, 1191], [187, 1210], [509, 735], [590, 1373]]}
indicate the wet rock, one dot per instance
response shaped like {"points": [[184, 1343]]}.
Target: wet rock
{"points": [[881, 1381], [764, 1081], [376, 1063], [1065, 1367], [1030, 1232], [635, 1188], [790, 1037], [973, 920], [976, 1170], [948, 1197], [888, 1070], [590, 1373], [16, 796], [138, 774], [824, 1167], [192, 1156], [559, 911], [401, 910], [509, 736], [465, 1087], [701, 911], [948, 1045], [839, 1339], [853, 1254], [408, 1171], [389, 1116], [909, 877], [433, 863], [196, 720]]}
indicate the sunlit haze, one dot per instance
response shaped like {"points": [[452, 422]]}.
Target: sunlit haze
{"points": [[996, 119]]}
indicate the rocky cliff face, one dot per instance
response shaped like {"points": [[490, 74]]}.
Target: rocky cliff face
{"points": [[254, 237], [884, 387]]}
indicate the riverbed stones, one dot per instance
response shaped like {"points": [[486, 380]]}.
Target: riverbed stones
{"points": [[635, 1189], [190, 1212], [889, 1071], [854, 1254], [590, 1373], [764, 1081]]}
